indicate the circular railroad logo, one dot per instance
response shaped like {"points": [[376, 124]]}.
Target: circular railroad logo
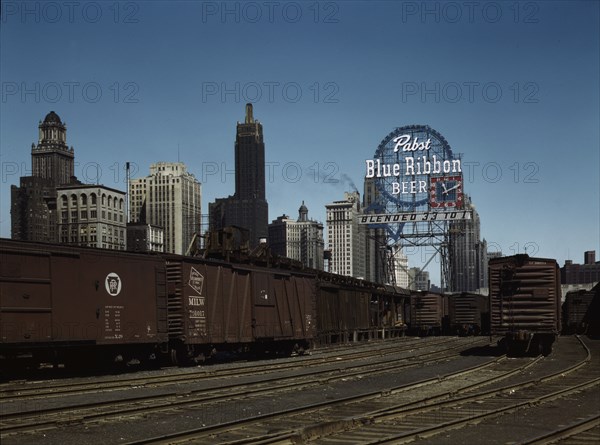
{"points": [[113, 284]]}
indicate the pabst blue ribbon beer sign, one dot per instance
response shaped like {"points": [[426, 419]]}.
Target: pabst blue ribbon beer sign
{"points": [[416, 162]]}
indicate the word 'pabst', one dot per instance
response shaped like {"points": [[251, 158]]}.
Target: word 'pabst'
{"points": [[404, 141]]}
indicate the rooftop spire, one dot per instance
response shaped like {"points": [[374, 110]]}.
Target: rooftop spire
{"points": [[249, 116]]}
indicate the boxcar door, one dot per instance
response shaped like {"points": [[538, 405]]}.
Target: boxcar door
{"points": [[264, 319]]}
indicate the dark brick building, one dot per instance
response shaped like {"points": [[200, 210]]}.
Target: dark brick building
{"points": [[586, 273], [248, 207]]}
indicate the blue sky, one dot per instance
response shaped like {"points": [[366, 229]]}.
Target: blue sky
{"points": [[513, 86]]}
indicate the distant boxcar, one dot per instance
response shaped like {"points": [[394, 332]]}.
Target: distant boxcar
{"points": [[351, 310], [428, 313], [592, 317], [525, 298], [76, 305], [577, 311], [468, 313]]}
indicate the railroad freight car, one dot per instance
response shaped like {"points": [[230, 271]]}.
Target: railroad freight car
{"points": [[468, 313], [577, 311], [525, 298], [222, 306], [349, 309], [428, 313], [83, 306], [592, 317], [77, 305]]}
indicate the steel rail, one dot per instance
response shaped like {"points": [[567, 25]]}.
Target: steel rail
{"points": [[18, 392], [206, 431], [39, 419]]}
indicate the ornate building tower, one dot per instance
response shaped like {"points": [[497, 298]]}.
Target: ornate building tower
{"points": [[33, 203], [52, 159]]}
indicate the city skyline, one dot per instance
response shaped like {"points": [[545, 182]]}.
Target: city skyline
{"points": [[517, 96]]}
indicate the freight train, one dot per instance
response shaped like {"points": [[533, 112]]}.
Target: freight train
{"points": [[464, 313], [78, 306], [525, 302], [82, 306]]}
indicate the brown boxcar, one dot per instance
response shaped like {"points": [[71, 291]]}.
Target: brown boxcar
{"points": [[71, 304], [222, 306], [352, 310], [525, 298], [428, 313], [592, 317], [575, 311], [468, 313], [343, 313], [390, 316]]}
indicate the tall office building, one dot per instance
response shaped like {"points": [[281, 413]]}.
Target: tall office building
{"points": [[379, 262], [169, 198], [33, 202], [346, 240], [248, 207], [300, 239], [400, 267], [468, 253], [418, 279], [91, 215]]}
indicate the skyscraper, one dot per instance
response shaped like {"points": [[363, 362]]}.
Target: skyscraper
{"points": [[418, 279], [33, 202], [170, 198], [300, 239], [248, 207], [346, 239], [468, 253], [400, 263], [379, 261]]}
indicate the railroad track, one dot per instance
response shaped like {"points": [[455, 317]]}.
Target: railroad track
{"points": [[39, 419], [586, 431], [49, 388], [403, 414]]}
